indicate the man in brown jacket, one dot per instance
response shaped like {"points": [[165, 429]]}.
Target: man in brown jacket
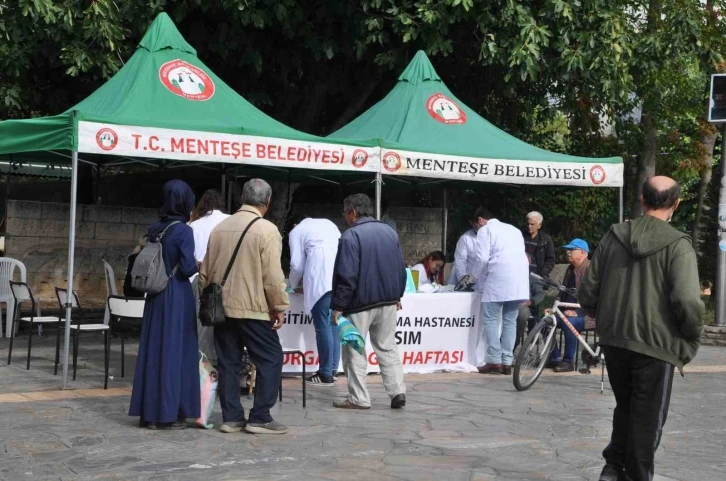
{"points": [[254, 300]]}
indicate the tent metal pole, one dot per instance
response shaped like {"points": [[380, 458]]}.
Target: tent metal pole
{"points": [[445, 221], [71, 255], [620, 204], [379, 185]]}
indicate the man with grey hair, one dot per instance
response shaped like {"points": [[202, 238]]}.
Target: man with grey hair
{"points": [[538, 245], [369, 279], [254, 301]]}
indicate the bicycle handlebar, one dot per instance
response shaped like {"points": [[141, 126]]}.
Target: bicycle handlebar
{"points": [[549, 282]]}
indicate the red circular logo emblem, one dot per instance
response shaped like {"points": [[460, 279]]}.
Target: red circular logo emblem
{"points": [[391, 162], [186, 80], [445, 110], [360, 158], [107, 139], [597, 175]]}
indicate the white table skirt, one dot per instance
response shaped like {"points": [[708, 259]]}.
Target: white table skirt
{"points": [[435, 332]]}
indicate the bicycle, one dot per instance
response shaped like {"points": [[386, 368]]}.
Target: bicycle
{"points": [[536, 349]]}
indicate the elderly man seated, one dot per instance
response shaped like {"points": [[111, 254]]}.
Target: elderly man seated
{"points": [[577, 252], [528, 310]]}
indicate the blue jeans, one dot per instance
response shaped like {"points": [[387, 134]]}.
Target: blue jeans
{"points": [[499, 349], [570, 339], [326, 336]]}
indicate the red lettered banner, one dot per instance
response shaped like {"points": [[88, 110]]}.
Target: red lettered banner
{"points": [[434, 332], [439, 166], [159, 143]]}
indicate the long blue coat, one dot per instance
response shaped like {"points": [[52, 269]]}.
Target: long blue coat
{"points": [[166, 383]]}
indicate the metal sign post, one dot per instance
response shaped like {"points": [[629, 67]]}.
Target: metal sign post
{"points": [[717, 114], [720, 315]]}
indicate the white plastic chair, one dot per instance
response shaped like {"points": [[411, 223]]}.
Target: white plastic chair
{"points": [[7, 274], [111, 288], [121, 307]]}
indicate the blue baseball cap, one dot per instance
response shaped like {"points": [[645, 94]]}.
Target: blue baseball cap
{"points": [[578, 244]]}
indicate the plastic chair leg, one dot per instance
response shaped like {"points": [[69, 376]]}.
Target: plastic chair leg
{"points": [[12, 338], [106, 348], [123, 348], [10, 317], [76, 339], [30, 342], [57, 348]]}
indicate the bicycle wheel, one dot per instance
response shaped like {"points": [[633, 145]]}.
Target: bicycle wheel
{"points": [[533, 356]]}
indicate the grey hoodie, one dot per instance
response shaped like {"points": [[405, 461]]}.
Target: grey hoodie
{"points": [[643, 288]]}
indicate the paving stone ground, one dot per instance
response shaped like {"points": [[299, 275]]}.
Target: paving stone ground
{"points": [[455, 427]]}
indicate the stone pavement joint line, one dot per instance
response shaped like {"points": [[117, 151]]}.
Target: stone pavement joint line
{"points": [[455, 427]]}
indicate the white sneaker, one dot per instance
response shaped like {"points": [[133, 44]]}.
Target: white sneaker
{"points": [[231, 427]]}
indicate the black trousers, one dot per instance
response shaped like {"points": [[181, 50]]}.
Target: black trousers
{"points": [[642, 388], [263, 346]]}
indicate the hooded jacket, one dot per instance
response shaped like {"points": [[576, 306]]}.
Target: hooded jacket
{"points": [[643, 288]]}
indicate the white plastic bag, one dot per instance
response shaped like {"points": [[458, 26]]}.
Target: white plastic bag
{"points": [[208, 391]]}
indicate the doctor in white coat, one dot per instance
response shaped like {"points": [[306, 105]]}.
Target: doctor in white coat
{"points": [[502, 271], [205, 217], [313, 247], [465, 254]]}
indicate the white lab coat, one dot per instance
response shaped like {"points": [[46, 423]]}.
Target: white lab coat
{"points": [[423, 279], [202, 229], [464, 257], [313, 247], [502, 268]]}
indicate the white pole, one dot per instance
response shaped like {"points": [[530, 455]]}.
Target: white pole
{"points": [[71, 256], [620, 204], [720, 314], [445, 221], [379, 185]]}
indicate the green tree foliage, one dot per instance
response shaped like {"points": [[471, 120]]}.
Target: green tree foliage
{"points": [[551, 72]]}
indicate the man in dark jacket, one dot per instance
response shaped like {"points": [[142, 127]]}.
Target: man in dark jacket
{"points": [[539, 246], [642, 286], [369, 279]]}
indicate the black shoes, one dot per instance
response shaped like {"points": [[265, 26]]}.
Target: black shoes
{"points": [[398, 401], [611, 473]]}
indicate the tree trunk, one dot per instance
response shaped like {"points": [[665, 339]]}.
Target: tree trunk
{"points": [[647, 160], [648, 156], [281, 202], [708, 141]]}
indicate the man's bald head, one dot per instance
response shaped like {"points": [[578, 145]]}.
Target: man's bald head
{"points": [[661, 193]]}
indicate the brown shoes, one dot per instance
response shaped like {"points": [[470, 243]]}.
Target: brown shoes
{"points": [[490, 369], [346, 404], [564, 367], [506, 370]]}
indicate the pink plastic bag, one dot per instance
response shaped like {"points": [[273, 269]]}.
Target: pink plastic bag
{"points": [[208, 390]]}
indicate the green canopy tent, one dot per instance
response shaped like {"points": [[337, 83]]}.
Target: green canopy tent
{"points": [[425, 131], [166, 104]]}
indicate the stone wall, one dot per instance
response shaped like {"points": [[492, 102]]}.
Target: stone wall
{"points": [[37, 235], [714, 336], [419, 229]]}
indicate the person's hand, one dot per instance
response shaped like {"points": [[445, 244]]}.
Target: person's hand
{"points": [[278, 319], [548, 312], [399, 306], [526, 303], [570, 313], [298, 290], [336, 315]]}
